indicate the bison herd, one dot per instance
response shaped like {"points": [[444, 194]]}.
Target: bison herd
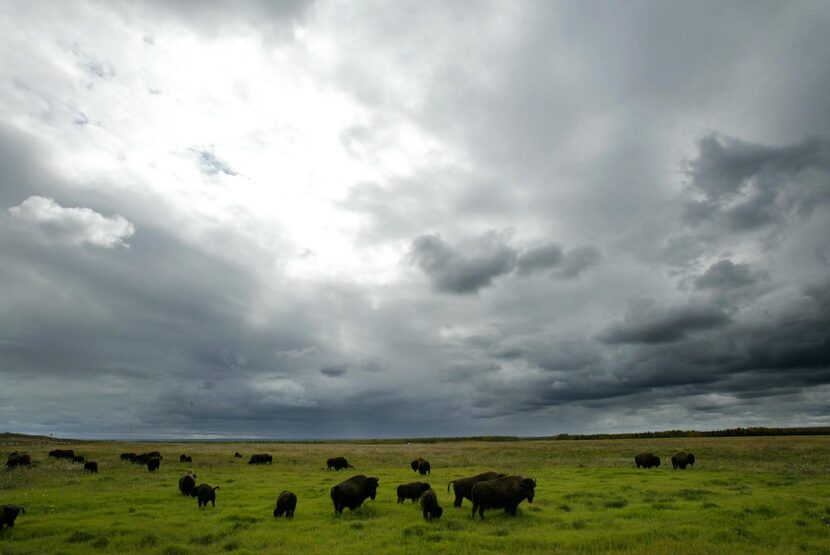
{"points": [[488, 490]]}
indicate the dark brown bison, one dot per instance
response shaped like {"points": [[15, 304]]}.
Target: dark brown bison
{"points": [[423, 468], [144, 458], [463, 487], [502, 493], [353, 492], [206, 493], [78, 459], [8, 514], [411, 491], [263, 458], [286, 503], [430, 506], [647, 460], [62, 453], [153, 464], [187, 483], [185, 458], [681, 460], [338, 463], [414, 464], [18, 459], [91, 467], [237, 455], [128, 456]]}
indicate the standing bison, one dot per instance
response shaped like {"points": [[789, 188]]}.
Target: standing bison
{"points": [[185, 458], [420, 465], [353, 492], [204, 494], [8, 514], [153, 464], [430, 506], [263, 458], [681, 460], [18, 459], [91, 467], [62, 453], [463, 487], [502, 493], [411, 491], [128, 456], [187, 484], [647, 460], [338, 463], [286, 503]]}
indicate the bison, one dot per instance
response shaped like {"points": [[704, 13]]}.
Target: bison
{"points": [[91, 467], [463, 487], [78, 459], [18, 459], [411, 491], [353, 492], [647, 460], [153, 464], [144, 458], [338, 463], [261, 459], [681, 460], [423, 468], [62, 453], [206, 493], [8, 514], [430, 506], [187, 484], [185, 458], [237, 455], [414, 464], [128, 456], [502, 493], [286, 503]]}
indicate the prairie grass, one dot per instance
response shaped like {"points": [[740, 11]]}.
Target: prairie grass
{"points": [[744, 495]]}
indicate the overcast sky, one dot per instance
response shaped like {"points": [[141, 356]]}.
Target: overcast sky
{"points": [[373, 219]]}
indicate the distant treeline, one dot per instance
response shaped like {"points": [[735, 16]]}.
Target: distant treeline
{"points": [[729, 432]]}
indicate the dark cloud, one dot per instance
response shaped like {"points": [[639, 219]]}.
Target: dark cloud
{"points": [[539, 258], [463, 271], [725, 275], [334, 370], [648, 322]]}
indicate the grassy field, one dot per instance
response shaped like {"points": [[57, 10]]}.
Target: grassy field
{"points": [[744, 495]]}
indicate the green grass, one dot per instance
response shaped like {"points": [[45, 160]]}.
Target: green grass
{"points": [[744, 495]]}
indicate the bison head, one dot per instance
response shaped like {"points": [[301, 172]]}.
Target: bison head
{"points": [[371, 487], [437, 512], [528, 488]]}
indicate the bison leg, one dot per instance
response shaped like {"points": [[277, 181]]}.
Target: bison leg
{"points": [[458, 500]]}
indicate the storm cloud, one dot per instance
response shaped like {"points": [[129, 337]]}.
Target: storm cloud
{"points": [[316, 219]]}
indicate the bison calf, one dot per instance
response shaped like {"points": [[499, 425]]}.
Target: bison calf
{"points": [[353, 492], [502, 493], [91, 467], [8, 514], [286, 503], [430, 506], [206, 493], [463, 487], [411, 491], [647, 460]]}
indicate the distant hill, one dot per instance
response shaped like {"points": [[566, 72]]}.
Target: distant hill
{"points": [[8, 438]]}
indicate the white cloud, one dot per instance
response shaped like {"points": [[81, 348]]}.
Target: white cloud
{"points": [[72, 226]]}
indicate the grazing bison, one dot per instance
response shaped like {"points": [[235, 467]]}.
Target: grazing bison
{"points": [[205, 494], [414, 464], [286, 503], [647, 460], [78, 459], [502, 493], [411, 491], [338, 463], [463, 487], [237, 455], [8, 514], [263, 458], [430, 506], [128, 456], [144, 458], [682, 459], [187, 484], [153, 464], [62, 453], [18, 459], [353, 492], [91, 467], [185, 458]]}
